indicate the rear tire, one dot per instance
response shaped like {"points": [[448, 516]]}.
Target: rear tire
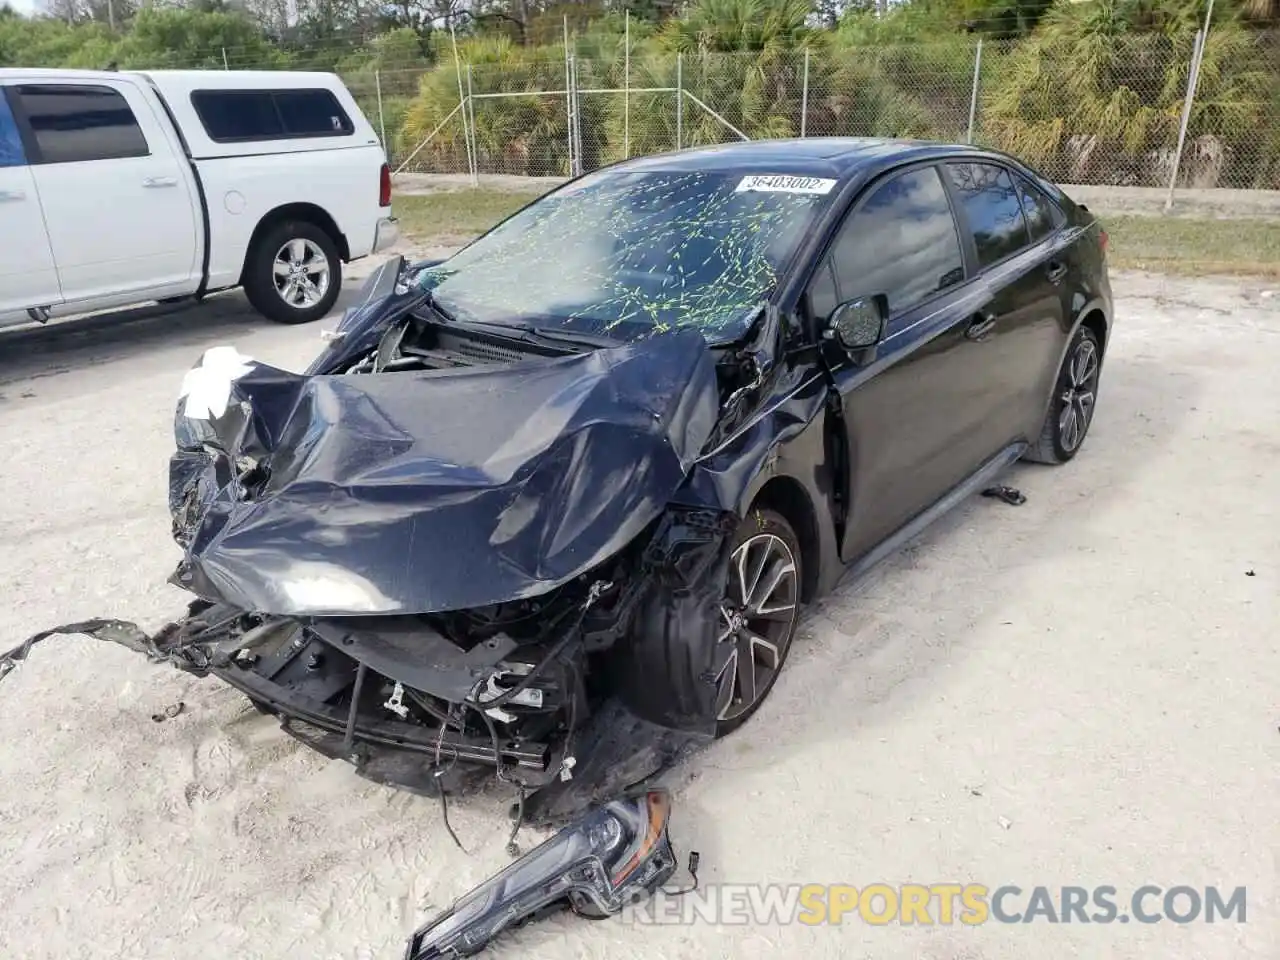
{"points": [[293, 273], [1074, 400]]}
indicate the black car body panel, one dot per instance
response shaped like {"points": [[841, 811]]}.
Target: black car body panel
{"points": [[462, 541]]}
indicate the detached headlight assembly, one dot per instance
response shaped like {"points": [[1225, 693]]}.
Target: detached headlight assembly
{"points": [[614, 856]]}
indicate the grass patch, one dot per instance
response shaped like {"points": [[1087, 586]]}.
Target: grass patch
{"points": [[1161, 244], [1183, 246], [455, 215]]}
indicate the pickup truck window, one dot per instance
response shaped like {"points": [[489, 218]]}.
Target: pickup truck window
{"points": [[237, 116], [11, 154], [77, 122]]}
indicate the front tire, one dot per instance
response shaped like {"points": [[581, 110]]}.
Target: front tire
{"points": [[758, 616], [1074, 400], [293, 273], [689, 637]]}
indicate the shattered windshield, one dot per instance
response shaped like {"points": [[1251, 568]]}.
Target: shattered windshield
{"points": [[630, 253]]}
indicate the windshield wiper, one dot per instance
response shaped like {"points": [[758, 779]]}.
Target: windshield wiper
{"points": [[536, 334], [574, 336], [438, 310]]}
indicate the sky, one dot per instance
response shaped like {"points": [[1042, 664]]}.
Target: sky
{"points": [[23, 6]]}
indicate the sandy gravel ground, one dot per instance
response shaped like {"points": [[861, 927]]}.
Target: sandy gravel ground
{"points": [[1082, 690]]}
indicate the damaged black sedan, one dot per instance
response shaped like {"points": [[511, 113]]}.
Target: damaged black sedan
{"points": [[555, 502]]}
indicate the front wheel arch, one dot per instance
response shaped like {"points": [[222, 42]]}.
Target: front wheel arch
{"points": [[785, 496]]}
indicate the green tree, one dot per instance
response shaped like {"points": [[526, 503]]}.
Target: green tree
{"points": [[170, 37], [1005, 18], [43, 42]]}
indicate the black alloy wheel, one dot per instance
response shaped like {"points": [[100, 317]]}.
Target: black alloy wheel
{"points": [[1073, 403], [758, 616]]}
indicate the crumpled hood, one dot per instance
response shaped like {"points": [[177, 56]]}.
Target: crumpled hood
{"points": [[417, 492]]}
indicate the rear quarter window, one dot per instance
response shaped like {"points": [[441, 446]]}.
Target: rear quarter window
{"points": [[1042, 214], [240, 116]]}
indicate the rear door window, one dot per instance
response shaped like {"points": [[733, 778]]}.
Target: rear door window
{"points": [[901, 242], [78, 122], [11, 152], [237, 116], [992, 207]]}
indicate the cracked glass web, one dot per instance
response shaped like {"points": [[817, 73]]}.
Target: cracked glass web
{"points": [[632, 253]]}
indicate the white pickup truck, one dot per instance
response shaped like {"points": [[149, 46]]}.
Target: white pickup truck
{"points": [[120, 188]]}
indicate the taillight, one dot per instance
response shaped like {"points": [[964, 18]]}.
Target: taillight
{"points": [[1102, 239], [384, 187]]}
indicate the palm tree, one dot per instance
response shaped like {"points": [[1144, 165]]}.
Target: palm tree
{"points": [[1088, 95], [513, 134], [744, 59]]}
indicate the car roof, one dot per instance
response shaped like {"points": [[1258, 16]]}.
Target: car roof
{"points": [[840, 157]]}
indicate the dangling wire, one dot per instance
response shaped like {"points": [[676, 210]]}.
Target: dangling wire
{"points": [[513, 849], [444, 815], [438, 772]]}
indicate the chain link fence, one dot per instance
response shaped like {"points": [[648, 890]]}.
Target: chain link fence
{"points": [[1119, 116], [1115, 114]]}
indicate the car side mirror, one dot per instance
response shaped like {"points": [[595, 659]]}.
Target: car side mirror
{"points": [[859, 326]]}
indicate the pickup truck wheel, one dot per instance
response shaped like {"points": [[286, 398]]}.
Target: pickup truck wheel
{"points": [[293, 274]]}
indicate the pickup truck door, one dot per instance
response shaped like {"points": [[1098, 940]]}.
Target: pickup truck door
{"points": [[27, 274], [118, 196]]}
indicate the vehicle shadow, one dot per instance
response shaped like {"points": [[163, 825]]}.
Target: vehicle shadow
{"points": [[864, 655], [32, 352]]}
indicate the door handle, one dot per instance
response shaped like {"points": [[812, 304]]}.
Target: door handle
{"points": [[12, 195], [1057, 270], [980, 326], [160, 182]]}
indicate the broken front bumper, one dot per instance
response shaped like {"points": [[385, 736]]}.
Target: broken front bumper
{"points": [[362, 738]]}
